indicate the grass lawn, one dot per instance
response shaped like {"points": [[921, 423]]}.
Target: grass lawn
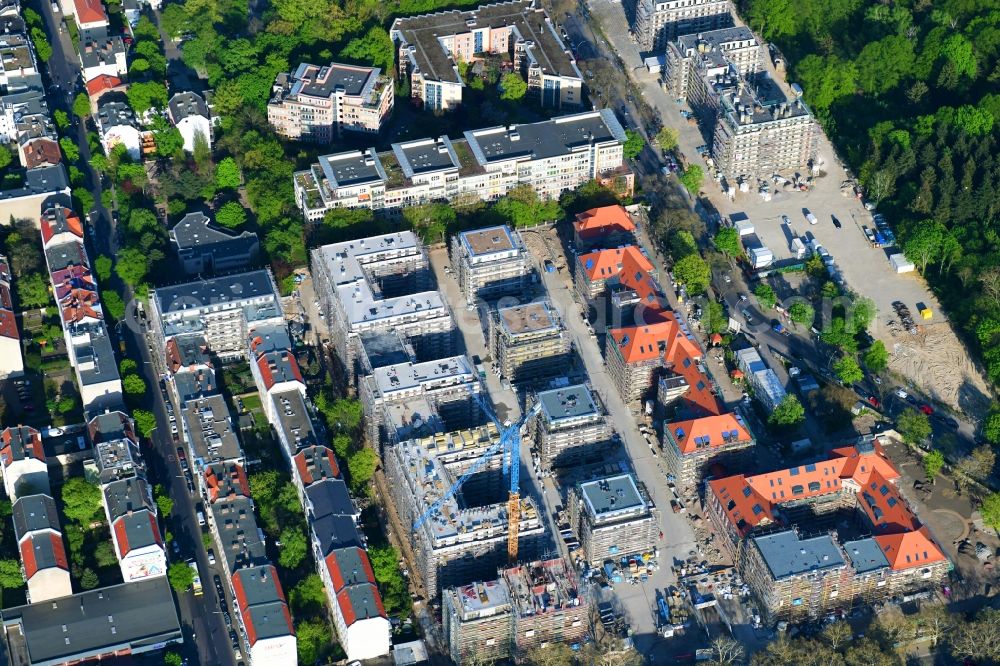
{"points": [[251, 402]]}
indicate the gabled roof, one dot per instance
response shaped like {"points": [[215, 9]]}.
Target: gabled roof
{"points": [[76, 276], [90, 11], [19, 443], [80, 304], [102, 83], [360, 602], [136, 530], [709, 432], [605, 264], [885, 507], [316, 463], [643, 343], [603, 221], [8, 325], [6, 303], [864, 458], [261, 601], [57, 220], [278, 367], [225, 480], [910, 549], [34, 513], [43, 551], [41, 152], [185, 351], [349, 566]]}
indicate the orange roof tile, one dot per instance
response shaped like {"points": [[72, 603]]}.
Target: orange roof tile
{"points": [[102, 83], [41, 152], [910, 549], [859, 466], [643, 343], [8, 325], [885, 507], [603, 221], [90, 11], [605, 264], [709, 432]]}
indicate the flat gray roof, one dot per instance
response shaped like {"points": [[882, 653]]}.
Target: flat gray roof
{"points": [[567, 403], [550, 138], [356, 167], [384, 349], [220, 290], [866, 555], [120, 617], [608, 497], [716, 37], [425, 156], [238, 532], [325, 80], [786, 554], [294, 420], [210, 429], [196, 231]]}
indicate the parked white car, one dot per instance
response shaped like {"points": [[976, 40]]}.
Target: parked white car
{"points": [[810, 217]]}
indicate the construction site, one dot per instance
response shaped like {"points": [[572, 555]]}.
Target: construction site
{"points": [[570, 427], [490, 263], [528, 343], [612, 518], [527, 606]]}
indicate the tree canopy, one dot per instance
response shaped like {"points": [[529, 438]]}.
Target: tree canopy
{"points": [[693, 272], [81, 500], [788, 412]]}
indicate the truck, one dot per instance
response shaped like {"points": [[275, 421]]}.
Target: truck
{"points": [[757, 253], [798, 248], [196, 581]]}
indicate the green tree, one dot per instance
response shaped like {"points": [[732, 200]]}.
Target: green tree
{"points": [[361, 466], [990, 510], [6, 157], [513, 87], [42, 46], [132, 266], [923, 242], [802, 313], [231, 215], [523, 207], [102, 266], [181, 577], [430, 221], [11, 577], [765, 295], [264, 486], [145, 421], [312, 638], [634, 144], [113, 304], [342, 414], [882, 65], [913, 426], [227, 174], [991, 425], [164, 503], [89, 579], [172, 658], [973, 121], [693, 273], [691, 179], [293, 548], [33, 291], [127, 367], [789, 412], [81, 500], [727, 241], [104, 554], [848, 371], [772, 18], [839, 335], [81, 105], [375, 48], [69, 149], [933, 462], [667, 138], [863, 313], [876, 357], [308, 597], [144, 96], [134, 385]]}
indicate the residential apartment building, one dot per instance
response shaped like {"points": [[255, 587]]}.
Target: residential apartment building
{"points": [[317, 103], [656, 22], [11, 359], [208, 432], [131, 513], [431, 46], [221, 309], [767, 388], [265, 623], [612, 519], [190, 114], [635, 354], [604, 227], [490, 263], [528, 342], [43, 554], [131, 618], [551, 156], [694, 60], [205, 248], [547, 605], [570, 428], [273, 364], [882, 549], [358, 615], [25, 471], [102, 54], [477, 618], [43, 186], [17, 58], [119, 126], [380, 285], [601, 272], [693, 446]]}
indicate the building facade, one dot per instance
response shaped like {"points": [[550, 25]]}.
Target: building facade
{"points": [[490, 263], [656, 22], [612, 519], [431, 46], [570, 428], [551, 156], [528, 342], [692, 447], [316, 103]]}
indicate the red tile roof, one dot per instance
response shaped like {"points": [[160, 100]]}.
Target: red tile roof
{"points": [[102, 83], [90, 11], [19, 443], [241, 597], [29, 560], [233, 483], [342, 579], [708, 432], [306, 462], [41, 152], [750, 501], [121, 532], [603, 221], [57, 220], [350, 613], [276, 367], [5, 300], [8, 325], [643, 343], [605, 264], [80, 304]]}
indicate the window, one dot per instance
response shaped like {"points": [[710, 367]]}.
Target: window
{"points": [[811, 467], [814, 486], [798, 490], [793, 471], [757, 509], [746, 491]]}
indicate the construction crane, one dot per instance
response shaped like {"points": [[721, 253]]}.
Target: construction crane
{"points": [[510, 445]]}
